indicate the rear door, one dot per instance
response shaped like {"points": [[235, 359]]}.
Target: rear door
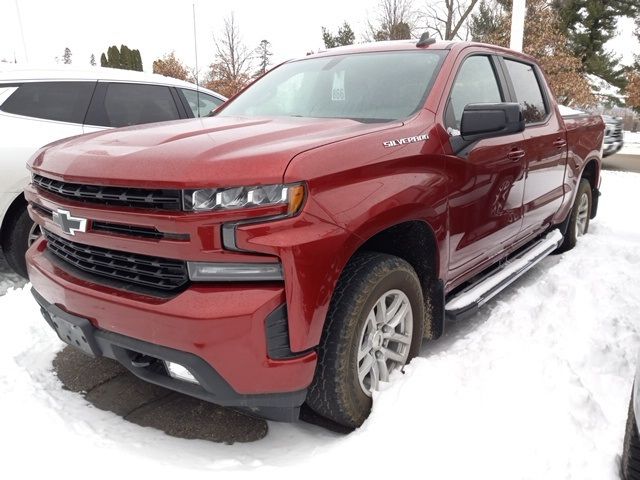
{"points": [[120, 104], [544, 143], [485, 206]]}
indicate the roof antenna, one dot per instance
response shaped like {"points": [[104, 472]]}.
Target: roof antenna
{"points": [[425, 40]]}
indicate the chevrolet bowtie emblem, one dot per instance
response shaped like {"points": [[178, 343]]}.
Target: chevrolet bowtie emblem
{"points": [[68, 223]]}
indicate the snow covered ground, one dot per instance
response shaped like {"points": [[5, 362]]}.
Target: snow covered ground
{"points": [[631, 144], [8, 278], [536, 386]]}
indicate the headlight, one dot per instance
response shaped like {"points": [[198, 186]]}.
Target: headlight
{"points": [[208, 199], [609, 129]]}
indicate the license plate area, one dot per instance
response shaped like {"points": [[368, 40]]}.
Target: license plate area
{"points": [[75, 331]]}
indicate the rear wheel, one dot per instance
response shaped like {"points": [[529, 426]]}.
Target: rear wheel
{"points": [[579, 217], [374, 327], [20, 234]]}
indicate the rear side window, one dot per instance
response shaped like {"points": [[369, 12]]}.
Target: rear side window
{"points": [[528, 92], [61, 101], [200, 103], [133, 104], [476, 82]]}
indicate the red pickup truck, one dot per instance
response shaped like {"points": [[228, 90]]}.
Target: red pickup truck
{"points": [[295, 248]]}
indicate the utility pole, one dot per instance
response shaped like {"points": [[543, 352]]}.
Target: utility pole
{"points": [[517, 24], [24, 45]]}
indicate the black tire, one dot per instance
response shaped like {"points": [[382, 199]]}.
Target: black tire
{"points": [[15, 240], [571, 236], [335, 392], [630, 464]]}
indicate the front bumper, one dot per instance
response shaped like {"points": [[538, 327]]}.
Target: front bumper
{"points": [[611, 148], [220, 328]]}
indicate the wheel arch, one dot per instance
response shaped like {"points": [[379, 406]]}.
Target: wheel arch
{"points": [[414, 241], [591, 172]]}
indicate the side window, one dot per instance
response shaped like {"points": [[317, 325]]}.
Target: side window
{"points": [[61, 101], [476, 82], [133, 104], [528, 93], [201, 104]]}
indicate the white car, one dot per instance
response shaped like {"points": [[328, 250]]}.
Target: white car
{"points": [[41, 105]]}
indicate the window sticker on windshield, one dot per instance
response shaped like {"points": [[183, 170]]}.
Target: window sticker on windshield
{"points": [[337, 90]]}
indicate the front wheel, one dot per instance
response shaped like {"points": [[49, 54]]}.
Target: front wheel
{"points": [[374, 327]]}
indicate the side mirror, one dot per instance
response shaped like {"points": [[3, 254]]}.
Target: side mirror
{"points": [[487, 120]]}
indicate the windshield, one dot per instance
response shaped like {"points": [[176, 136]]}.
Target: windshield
{"points": [[368, 87]]}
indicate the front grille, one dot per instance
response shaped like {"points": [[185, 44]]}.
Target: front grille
{"points": [[143, 270], [128, 230], [122, 196], [121, 229]]}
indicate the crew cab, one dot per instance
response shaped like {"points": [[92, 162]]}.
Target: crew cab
{"points": [[294, 250], [39, 105]]}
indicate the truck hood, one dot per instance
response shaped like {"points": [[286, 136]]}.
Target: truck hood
{"points": [[212, 152]]}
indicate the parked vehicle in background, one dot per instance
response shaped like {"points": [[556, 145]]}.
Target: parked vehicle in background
{"points": [[39, 106], [630, 465], [298, 246], [613, 135]]}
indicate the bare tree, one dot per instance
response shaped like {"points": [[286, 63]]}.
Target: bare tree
{"points": [[449, 17], [230, 71], [395, 20]]}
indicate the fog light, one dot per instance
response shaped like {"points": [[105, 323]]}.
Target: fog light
{"points": [[180, 372], [234, 272]]}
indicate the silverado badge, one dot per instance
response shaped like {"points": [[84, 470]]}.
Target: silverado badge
{"points": [[404, 141]]}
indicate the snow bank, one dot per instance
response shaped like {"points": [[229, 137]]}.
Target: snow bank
{"points": [[535, 386]]}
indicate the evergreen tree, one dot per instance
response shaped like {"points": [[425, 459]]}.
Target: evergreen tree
{"points": [[137, 60], [66, 58], [92, 60], [589, 24], [126, 61], [485, 22], [263, 54], [123, 58], [345, 36]]}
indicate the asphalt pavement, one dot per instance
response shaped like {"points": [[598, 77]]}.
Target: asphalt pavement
{"points": [[622, 162], [109, 386]]}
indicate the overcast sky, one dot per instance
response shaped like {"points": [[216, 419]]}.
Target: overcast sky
{"points": [[156, 27]]}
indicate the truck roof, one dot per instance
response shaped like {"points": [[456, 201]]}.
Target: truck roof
{"points": [[393, 45]]}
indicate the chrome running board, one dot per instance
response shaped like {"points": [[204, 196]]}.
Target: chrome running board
{"points": [[488, 286]]}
